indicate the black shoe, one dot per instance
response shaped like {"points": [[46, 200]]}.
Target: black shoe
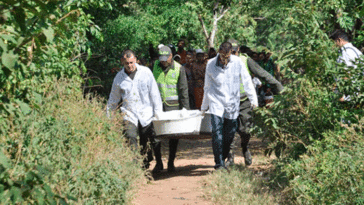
{"points": [[171, 167], [230, 160], [158, 168], [248, 158]]}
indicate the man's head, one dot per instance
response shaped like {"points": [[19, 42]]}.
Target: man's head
{"points": [[225, 52], [245, 49], [189, 57], [235, 46], [255, 56], [212, 53], [261, 56], [200, 56], [340, 37], [165, 56], [128, 60], [181, 44]]}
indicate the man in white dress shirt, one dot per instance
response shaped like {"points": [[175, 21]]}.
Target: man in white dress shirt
{"points": [[222, 98], [348, 53], [138, 92]]}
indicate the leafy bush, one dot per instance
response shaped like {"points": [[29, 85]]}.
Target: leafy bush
{"points": [[66, 150], [332, 171]]}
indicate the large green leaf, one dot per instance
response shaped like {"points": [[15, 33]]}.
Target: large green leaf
{"points": [[4, 160], [24, 107], [49, 33], [9, 59]]}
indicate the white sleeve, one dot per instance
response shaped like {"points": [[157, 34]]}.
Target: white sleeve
{"points": [[248, 85], [114, 98], [207, 86]]}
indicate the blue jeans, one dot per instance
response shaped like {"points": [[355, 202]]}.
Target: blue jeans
{"points": [[223, 131]]}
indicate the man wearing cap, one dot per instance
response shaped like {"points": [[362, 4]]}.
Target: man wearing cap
{"points": [[222, 97], [198, 75], [172, 84], [136, 87], [245, 111]]}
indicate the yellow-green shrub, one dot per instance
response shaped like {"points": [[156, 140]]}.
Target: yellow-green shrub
{"points": [[66, 150]]}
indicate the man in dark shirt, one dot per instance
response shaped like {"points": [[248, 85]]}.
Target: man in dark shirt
{"points": [[181, 51], [245, 115]]}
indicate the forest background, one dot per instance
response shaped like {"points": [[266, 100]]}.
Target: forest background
{"points": [[56, 56]]}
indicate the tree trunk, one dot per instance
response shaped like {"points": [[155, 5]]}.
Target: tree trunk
{"points": [[218, 14]]}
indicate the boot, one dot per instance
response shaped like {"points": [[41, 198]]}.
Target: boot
{"points": [[158, 167], [171, 167], [230, 159], [158, 157], [173, 143], [247, 157]]}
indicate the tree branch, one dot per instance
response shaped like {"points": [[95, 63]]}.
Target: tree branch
{"points": [[203, 27], [223, 13], [258, 18], [69, 13]]}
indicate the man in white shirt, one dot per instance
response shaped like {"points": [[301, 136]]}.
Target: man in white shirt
{"points": [[348, 52], [140, 99], [222, 98]]}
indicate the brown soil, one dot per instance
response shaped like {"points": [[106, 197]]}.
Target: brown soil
{"points": [[194, 163]]}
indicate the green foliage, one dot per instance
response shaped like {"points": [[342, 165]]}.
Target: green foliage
{"points": [[320, 157], [40, 41], [332, 171], [295, 120], [67, 151], [141, 27]]}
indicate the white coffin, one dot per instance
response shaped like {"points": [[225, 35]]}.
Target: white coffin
{"points": [[178, 122]]}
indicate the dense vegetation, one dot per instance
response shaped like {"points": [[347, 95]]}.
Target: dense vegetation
{"points": [[45, 125], [55, 146]]}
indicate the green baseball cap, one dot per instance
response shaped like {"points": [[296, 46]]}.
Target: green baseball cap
{"points": [[164, 53]]}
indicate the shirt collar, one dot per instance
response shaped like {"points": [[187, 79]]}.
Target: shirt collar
{"points": [[136, 69], [344, 47]]}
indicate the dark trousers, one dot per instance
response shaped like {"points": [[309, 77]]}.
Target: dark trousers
{"points": [[223, 131], [245, 120], [145, 134], [173, 143]]}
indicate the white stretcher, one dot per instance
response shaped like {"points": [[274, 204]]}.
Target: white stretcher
{"points": [[182, 124]]}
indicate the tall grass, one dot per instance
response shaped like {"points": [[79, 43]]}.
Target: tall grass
{"points": [[238, 186], [66, 151]]}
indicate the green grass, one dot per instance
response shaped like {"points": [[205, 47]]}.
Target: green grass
{"points": [[238, 186]]}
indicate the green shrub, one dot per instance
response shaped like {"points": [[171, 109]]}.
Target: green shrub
{"points": [[66, 151], [332, 171]]}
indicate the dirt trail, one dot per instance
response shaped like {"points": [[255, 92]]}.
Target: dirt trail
{"points": [[194, 163]]}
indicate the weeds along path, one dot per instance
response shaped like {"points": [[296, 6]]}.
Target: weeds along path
{"points": [[194, 163]]}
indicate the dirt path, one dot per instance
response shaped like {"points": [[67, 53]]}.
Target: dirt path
{"points": [[193, 164]]}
